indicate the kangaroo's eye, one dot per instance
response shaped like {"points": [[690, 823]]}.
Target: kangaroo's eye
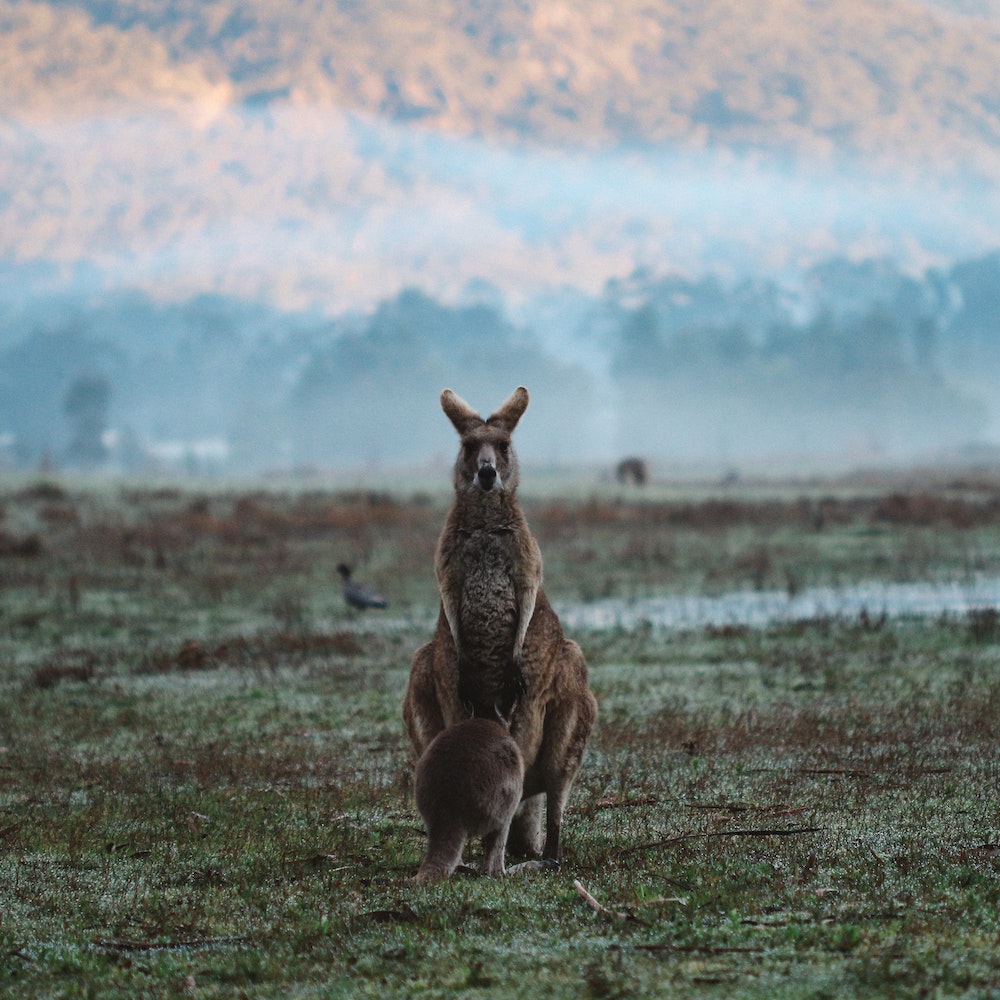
{"points": [[503, 448], [469, 449]]}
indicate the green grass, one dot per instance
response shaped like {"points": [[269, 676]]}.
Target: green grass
{"points": [[205, 785]]}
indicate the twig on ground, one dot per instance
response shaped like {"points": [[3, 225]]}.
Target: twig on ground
{"points": [[778, 832], [698, 949], [599, 907], [847, 772], [613, 803], [878, 857], [765, 812], [126, 944]]}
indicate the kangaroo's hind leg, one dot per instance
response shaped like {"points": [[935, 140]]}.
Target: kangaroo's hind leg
{"points": [[444, 854], [567, 729], [494, 846], [495, 840], [525, 838]]}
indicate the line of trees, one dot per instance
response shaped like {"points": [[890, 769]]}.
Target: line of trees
{"points": [[847, 386], [691, 370]]}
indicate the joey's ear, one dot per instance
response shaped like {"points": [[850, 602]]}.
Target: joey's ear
{"points": [[457, 410], [510, 412]]}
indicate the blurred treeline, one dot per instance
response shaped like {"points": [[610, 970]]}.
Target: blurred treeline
{"points": [[850, 358]]}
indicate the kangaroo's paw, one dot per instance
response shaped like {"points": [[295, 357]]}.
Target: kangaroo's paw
{"points": [[518, 684]]}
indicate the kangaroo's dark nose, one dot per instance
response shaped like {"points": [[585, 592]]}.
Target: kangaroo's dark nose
{"points": [[487, 476]]}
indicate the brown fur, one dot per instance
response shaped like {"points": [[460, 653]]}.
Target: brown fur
{"points": [[467, 784], [498, 642]]}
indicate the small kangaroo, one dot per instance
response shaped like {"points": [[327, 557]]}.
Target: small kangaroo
{"points": [[498, 645], [467, 784]]}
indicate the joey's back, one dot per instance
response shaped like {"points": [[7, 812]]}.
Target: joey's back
{"points": [[467, 783]]}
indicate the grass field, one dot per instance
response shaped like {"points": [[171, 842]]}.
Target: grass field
{"points": [[205, 788]]}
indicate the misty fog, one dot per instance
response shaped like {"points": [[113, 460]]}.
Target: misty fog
{"points": [[292, 288]]}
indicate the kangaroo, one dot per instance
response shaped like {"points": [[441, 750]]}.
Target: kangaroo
{"points": [[498, 645], [467, 784]]}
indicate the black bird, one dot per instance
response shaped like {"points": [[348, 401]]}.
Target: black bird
{"points": [[358, 596]]}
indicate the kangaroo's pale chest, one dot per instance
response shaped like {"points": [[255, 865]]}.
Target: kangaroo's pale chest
{"points": [[488, 600]]}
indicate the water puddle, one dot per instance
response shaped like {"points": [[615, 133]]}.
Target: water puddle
{"points": [[767, 607]]}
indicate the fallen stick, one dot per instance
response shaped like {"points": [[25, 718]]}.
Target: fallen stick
{"points": [[778, 832], [698, 948], [127, 944], [624, 803], [765, 812], [847, 772], [597, 906]]}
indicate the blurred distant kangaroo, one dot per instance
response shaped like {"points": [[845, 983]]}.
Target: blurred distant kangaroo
{"points": [[498, 642], [467, 784]]}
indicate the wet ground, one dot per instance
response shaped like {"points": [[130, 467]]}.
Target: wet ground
{"points": [[758, 608]]}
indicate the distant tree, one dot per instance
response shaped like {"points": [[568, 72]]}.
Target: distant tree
{"points": [[36, 376], [86, 406], [370, 395], [925, 343], [714, 391], [640, 347]]}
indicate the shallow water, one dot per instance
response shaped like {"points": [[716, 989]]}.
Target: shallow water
{"points": [[765, 607]]}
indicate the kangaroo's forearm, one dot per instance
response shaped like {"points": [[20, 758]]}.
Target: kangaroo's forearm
{"points": [[526, 608]]}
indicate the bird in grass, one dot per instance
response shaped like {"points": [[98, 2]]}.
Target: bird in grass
{"points": [[358, 596]]}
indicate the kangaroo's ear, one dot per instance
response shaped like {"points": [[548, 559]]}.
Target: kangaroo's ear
{"points": [[510, 412], [458, 411]]}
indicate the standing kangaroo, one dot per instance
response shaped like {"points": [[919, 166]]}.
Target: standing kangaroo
{"points": [[467, 784], [498, 645]]}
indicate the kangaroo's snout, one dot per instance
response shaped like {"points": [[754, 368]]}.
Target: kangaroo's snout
{"points": [[486, 477]]}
